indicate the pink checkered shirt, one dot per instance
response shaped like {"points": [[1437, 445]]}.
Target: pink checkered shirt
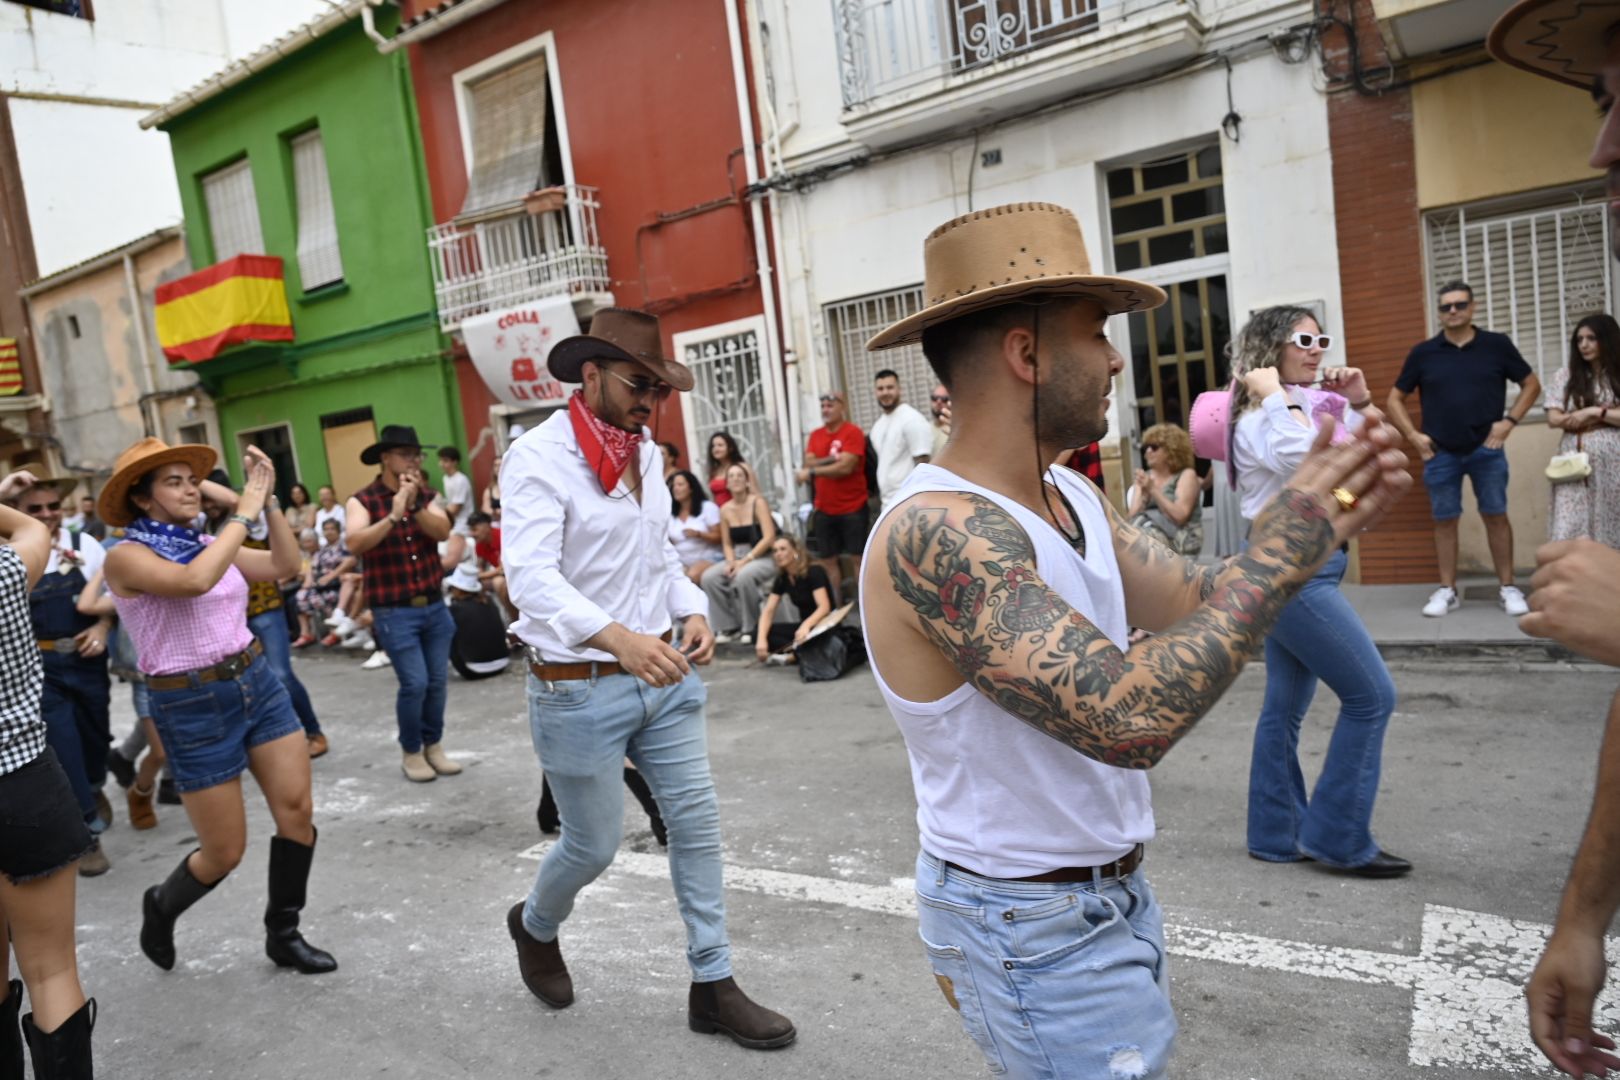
{"points": [[174, 634]]}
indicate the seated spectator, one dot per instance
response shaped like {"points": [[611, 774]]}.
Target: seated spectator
{"points": [[694, 525], [478, 649], [300, 510], [805, 585], [328, 510], [322, 593], [736, 586], [1167, 500], [490, 503]]}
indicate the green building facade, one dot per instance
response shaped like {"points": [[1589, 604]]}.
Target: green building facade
{"points": [[322, 148]]}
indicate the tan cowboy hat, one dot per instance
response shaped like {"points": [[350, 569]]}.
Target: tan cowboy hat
{"points": [[1558, 39], [618, 334], [112, 506], [1007, 254], [62, 485]]}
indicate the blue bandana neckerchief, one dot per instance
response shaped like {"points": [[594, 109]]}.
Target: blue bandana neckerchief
{"points": [[176, 543]]}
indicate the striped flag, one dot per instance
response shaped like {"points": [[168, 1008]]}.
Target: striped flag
{"points": [[11, 381], [241, 299]]}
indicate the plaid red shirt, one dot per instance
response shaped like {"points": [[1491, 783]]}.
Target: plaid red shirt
{"points": [[1087, 461], [406, 563]]}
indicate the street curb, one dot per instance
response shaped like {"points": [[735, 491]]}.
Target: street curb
{"points": [[1531, 650]]}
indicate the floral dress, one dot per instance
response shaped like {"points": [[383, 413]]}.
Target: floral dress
{"points": [[1589, 508], [322, 599]]}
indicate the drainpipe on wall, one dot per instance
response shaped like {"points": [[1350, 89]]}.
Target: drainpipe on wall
{"points": [[762, 256], [149, 420]]}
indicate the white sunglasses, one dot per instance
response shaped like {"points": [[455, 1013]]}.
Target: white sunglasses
{"points": [[1305, 341]]}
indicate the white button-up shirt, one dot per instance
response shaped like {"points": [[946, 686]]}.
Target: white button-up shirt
{"points": [[576, 559]]}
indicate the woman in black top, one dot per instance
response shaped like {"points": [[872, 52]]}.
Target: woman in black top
{"points": [[803, 582]]}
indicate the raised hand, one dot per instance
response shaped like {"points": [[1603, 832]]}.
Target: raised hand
{"points": [[1356, 482], [261, 480], [1348, 381], [1263, 382], [17, 483]]}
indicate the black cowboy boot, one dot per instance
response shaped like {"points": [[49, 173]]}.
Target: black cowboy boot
{"points": [[546, 816], [63, 1054], [723, 1007], [289, 875], [638, 787], [162, 905], [540, 963], [11, 1040]]}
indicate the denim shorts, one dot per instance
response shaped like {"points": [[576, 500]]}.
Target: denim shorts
{"points": [[208, 728], [1051, 979], [1443, 476], [41, 828]]}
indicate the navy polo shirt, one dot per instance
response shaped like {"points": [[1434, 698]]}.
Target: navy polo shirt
{"points": [[1464, 387]]}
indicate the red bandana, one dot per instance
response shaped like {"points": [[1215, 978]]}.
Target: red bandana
{"points": [[607, 449]]}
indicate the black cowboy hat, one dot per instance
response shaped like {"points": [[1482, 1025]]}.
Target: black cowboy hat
{"points": [[394, 436]]}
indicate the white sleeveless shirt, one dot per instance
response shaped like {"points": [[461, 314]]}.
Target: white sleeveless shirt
{"points": [[993, 793]]}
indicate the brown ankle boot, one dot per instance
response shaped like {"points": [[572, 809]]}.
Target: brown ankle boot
{"points": [[541, 963], [723, 1007], [142, 815]]}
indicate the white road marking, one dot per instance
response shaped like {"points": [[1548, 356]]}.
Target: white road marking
{"points": [[1466, 980]]}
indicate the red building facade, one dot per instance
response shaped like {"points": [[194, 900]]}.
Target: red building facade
{"points": [[595, 151]]}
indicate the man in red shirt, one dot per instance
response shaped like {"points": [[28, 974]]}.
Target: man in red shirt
{"points": [[487, 546], [837, 463]]}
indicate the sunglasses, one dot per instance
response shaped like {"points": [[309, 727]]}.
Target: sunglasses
{"points": [[1460, 305], [1305, 341], [644, 387], [1151, 446], [939, 397], [825, 398], [47, 508]]}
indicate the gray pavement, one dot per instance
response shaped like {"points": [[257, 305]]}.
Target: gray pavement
{"points": [[1394, 616], [1278, 971]]}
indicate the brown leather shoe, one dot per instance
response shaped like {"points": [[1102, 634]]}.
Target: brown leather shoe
{"points": [[723, 1007], [142, 815], [541, 963]]}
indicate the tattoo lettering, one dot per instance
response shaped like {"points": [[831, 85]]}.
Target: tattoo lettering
{"points": [[971, 580]]}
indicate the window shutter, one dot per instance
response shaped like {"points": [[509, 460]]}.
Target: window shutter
{"points": [[508, 136], [319, 261], [1535, 271], [850, 324], [233, 212]]}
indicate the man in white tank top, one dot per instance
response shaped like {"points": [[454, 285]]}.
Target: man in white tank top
{"points": [[997, 607]]}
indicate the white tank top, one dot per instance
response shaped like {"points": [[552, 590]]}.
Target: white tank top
{"points": [[994, 794]]}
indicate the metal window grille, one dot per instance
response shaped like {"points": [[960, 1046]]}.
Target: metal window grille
{"points": [[729, 394], [1535, 271], [850, 324], [319, 261], [508, 118], [233, 211]]}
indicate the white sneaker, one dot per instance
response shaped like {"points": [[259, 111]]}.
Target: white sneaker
{"points": [[378, 659], [724, 638], [1513, 601], [745, 639], [340, 624], [777, 659], [1441, 601]]}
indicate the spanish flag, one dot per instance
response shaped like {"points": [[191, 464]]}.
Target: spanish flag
{"points": [[241, 299], [10, 368]]}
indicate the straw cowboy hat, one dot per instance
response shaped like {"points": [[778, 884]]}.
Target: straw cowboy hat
{"points": [[113, 507], [62, 485], [1009, 254], [618, 334], [394, 437], [1558, 39]]}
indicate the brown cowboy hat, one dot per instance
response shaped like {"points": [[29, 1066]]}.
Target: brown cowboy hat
{"points": [[62, 485], [1010, 254], [113, 507], [1558, 39], [618, 334]]}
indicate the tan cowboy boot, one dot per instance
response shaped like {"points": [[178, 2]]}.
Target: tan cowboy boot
{"points": [[439, 761], [417, 770]]}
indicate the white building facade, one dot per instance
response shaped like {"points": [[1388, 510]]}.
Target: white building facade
{"points": [[1190, 138]]}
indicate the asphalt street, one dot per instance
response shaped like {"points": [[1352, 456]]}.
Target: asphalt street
{"points": [[1279, 971]]}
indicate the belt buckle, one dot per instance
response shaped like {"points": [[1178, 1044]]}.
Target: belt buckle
{"points": [[419, 601], [64, 646]]}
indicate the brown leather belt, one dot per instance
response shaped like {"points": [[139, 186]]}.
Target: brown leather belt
{"points": [[1124, 866], [584, 669], [59, 645], [225, 669]]}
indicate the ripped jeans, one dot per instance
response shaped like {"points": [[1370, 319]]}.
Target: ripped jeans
{"points": [[1052, 981]]}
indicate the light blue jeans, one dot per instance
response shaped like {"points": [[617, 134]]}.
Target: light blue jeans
{"points": [[1052, 981], [583, 729], [1319, 638]]}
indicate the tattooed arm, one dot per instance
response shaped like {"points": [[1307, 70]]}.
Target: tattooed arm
{"points": [[964, 575], [1161, 587]]}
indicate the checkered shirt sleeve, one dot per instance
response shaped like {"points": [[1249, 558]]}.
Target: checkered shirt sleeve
{"points": [[22, 677]]}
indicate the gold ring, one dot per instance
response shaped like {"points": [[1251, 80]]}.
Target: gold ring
{"points": [[1347, 499]]}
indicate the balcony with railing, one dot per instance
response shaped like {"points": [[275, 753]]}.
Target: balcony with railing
{"points": [[546, 246], [907, 65]]}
